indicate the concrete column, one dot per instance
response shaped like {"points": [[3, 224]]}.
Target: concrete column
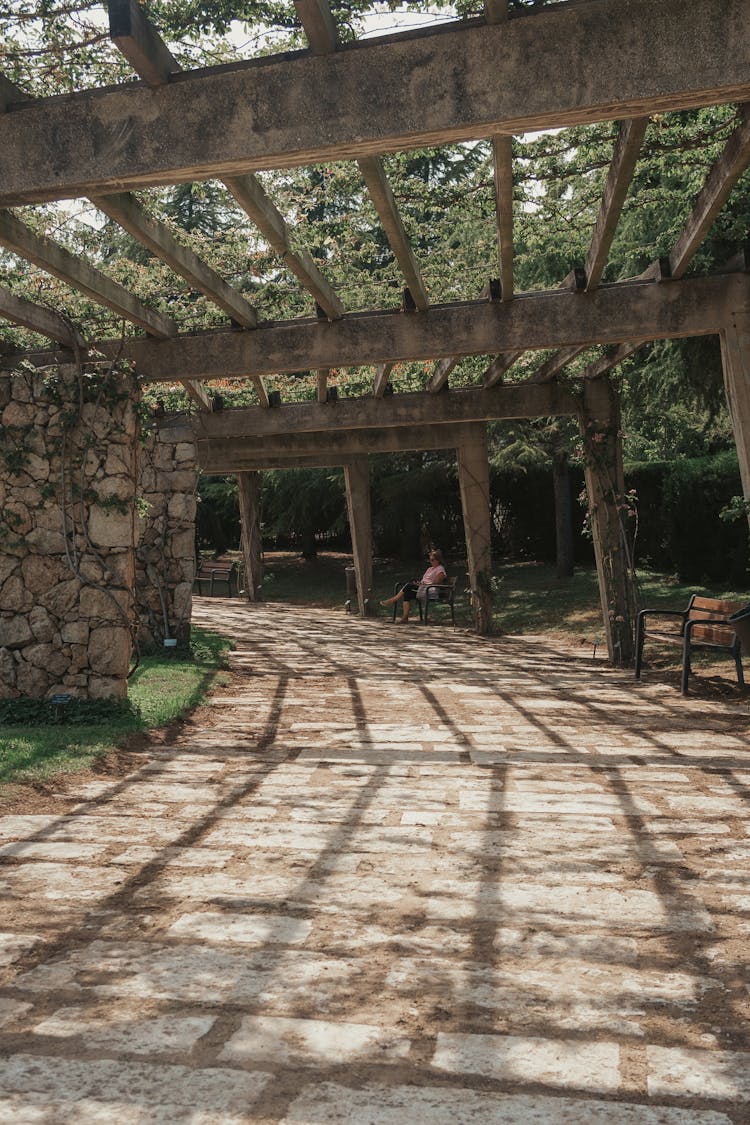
{"points": [[357, 478], [474, 480], [735, 354], [599, 422], [248, 491]]}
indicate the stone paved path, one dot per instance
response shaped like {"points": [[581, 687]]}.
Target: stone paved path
{"points": [[391, 877]]}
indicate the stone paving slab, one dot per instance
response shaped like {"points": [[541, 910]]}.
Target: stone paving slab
{"points": [[512, 892]]}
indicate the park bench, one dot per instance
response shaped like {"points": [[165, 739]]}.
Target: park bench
{"points": [[438, 595], [217, 578], [703, 625]]}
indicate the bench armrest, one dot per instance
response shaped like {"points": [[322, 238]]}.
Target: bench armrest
{"points": [[681, 613]]}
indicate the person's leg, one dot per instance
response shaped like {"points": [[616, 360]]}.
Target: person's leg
{"points": [[394, 599], [405, 610]]}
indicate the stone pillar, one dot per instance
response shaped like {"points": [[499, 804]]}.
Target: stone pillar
{"points": [[474, 481], [68, 457], [248, 492], [165, 555], [599, 422], [735, 354], [357, 478]]}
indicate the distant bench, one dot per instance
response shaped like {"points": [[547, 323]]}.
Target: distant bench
{"points": [[702, 625], [217, 579]]}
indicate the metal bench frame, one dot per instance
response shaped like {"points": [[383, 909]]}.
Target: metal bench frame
{"points": [[446, 596], [696, 617]]}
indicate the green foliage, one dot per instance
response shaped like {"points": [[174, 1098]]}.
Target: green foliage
{"points": [[703, 547], [300, 504]]}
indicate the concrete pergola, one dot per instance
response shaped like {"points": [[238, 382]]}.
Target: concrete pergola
{"points": [[491, 77]]}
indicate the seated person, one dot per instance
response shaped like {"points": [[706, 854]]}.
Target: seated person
{"points": [[434, 575]]}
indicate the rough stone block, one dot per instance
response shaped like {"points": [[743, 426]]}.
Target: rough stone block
{"points": [[15, 632], [109, 528]]}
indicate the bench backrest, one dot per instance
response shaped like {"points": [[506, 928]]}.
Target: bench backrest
{"points": [[448, 589], [701, 609]]}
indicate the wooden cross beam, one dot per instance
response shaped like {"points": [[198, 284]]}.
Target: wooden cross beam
{"points": [[622, 166], [127, 24], [382, 375], [39, 319], [395, 412], [150, 57], [496, 11], [322, 35], [299, 450], [127, 211], [77, 273], [469, 81], [610, 314], [713, 195]]}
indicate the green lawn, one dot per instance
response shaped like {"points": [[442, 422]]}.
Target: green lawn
{"points": [[164, 686], [529, 598]]}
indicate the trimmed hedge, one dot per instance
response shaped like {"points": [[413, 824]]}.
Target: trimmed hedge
{"points": [[703, 547], [416, 501]]}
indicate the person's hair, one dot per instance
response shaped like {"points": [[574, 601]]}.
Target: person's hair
{"points": [[438, 555]]}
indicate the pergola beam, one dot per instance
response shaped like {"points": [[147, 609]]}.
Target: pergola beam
{"points": [[317, 21], [140, 43], [152, 60], [606, 363], [74, 271], [252, 198], [39, 319], [380, 382], [381, 194], [300, 450], [611, 314], [394, 413], [468, 81], [502, 152], [127, 212], [320, 29], [495, 11], [713, 195], [198, 394], [621, 169], [622, 166]]}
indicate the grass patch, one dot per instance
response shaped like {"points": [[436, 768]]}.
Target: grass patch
{"points": [[33, 745], [529, 598]]}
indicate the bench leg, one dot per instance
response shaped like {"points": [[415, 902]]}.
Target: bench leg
{"points": [[638, 647], [740, 674], [685, 666]]}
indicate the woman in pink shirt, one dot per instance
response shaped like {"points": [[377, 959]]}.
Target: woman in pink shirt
{"points": [[435, 574]]}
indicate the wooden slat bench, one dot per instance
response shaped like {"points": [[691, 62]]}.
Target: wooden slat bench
{"points": [[217, 578], [703, 625]]}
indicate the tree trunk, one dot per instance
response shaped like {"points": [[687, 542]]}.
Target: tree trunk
{"points": [[563, 513]]}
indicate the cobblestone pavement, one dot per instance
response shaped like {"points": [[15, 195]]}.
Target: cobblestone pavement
{"points": [[389, 877]]}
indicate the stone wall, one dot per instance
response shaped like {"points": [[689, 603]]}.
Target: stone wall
{"points": [[68, 466], [165, 556]]}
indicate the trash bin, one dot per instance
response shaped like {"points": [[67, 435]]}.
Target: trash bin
{"points": [[351, 581]]}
